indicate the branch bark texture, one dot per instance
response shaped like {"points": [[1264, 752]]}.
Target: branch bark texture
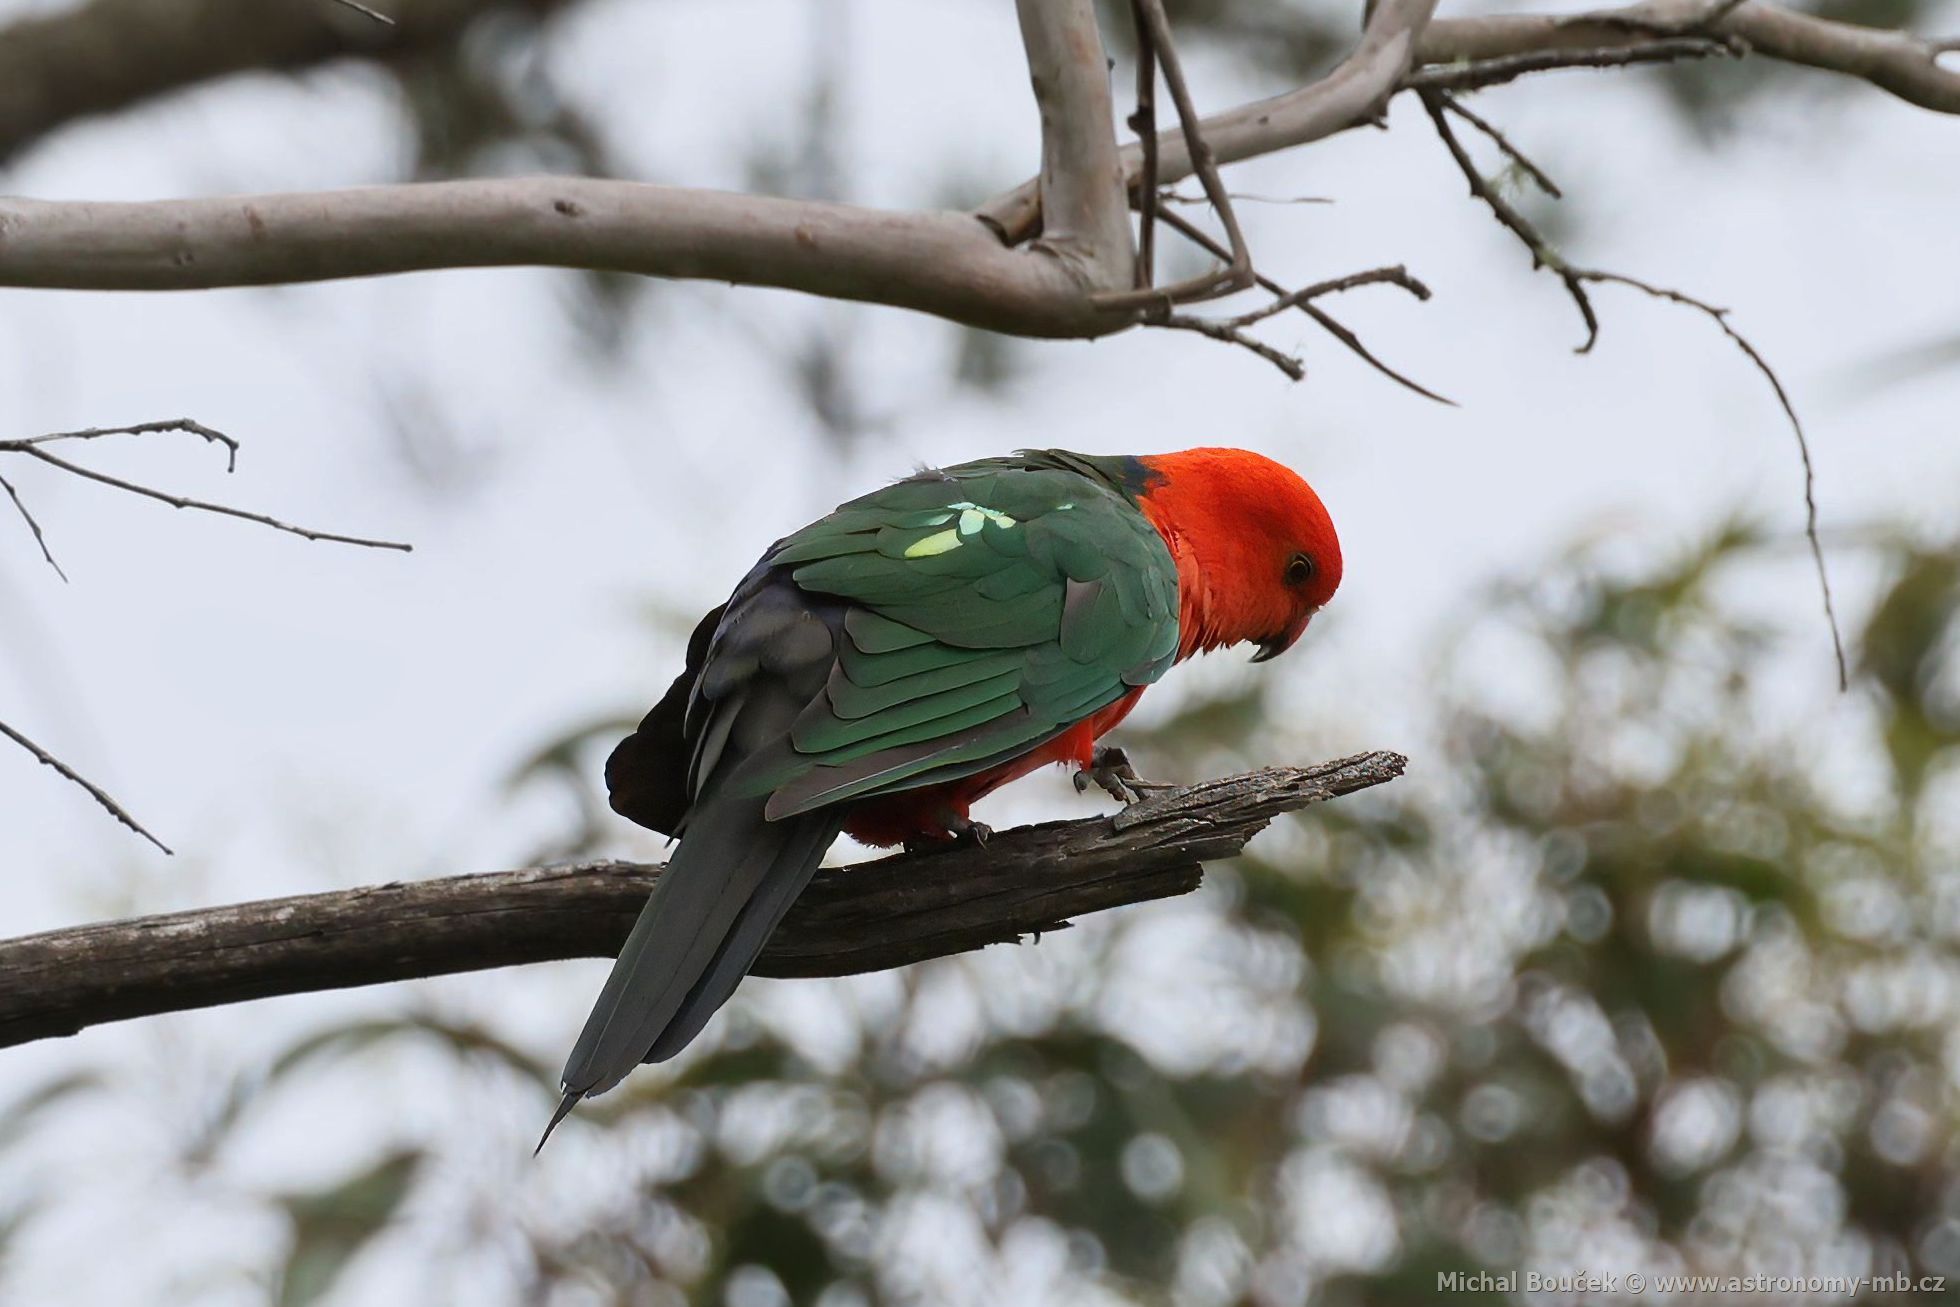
{"points": [[888, 913]]}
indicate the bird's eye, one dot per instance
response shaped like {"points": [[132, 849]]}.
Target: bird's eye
{"points": [[1299, 570]]}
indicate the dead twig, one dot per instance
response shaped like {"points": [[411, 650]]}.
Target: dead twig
{"points": [[32, 525], [1237, 274], [96, 792], [1391, 276], [1518, 157], [1169, 196], [1576, 279], [35, 447], [1481, 74], [366, 12], [1144, 123], [1196, 234], [1720, 317], [1542, 253], [1222, 329]]}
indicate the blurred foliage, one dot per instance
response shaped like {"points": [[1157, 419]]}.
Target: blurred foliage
{"points": [[330, 1226], [1643, 973]]}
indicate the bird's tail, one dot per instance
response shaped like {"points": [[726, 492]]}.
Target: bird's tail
{"points": [[714, 907]]}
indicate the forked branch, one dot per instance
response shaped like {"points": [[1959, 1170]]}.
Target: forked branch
{"points": [[1576, 279]]}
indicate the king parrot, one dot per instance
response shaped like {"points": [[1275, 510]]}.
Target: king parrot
{"points": [[884, 667]]}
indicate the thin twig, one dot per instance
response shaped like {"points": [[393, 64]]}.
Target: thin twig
{"points": [[141, 429], [1144, 123], [1575, 281], [1538, 175], [1720, 317], [1197, 235], [1222, 329], [1391, 276], [1481, 74], [34, 447], [32, 525], [1237, 274], [362, 9], [95, 791], [1169, 196], [1542, 253]]}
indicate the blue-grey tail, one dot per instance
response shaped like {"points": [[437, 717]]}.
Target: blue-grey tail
{"points": [[712, 910]]}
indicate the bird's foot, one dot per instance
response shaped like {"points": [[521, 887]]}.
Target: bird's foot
{"points": [[1111, 770], [957, 829]]}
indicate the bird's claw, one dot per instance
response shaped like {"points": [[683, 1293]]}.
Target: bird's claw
{"points": [[958, 830], [1110, 769]]}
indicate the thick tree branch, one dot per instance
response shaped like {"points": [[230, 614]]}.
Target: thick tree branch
{"points": [[883, 914], [1081, 182], [941, 263], [1354, 92], [107, 55]]}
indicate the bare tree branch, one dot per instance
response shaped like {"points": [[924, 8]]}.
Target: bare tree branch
{"points": [[1486, 73], [883, 914], [1081, 184], [1576, 279], [1196, 234], [35, 447], [942, 263], [39, 538], [96, 792], [1899, 62], [1720, 317]]}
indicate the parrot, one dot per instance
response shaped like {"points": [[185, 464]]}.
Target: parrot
{"points": [[883, 668]]}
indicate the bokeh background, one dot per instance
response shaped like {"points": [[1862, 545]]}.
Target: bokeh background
{"points": [[1651, 963]]}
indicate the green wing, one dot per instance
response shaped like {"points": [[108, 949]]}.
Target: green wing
{"points": [[984, 609]]}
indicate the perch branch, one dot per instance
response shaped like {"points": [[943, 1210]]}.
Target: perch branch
{"points": [[882, 914]]}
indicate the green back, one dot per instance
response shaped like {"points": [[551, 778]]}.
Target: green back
{"points": [[990, 606]]}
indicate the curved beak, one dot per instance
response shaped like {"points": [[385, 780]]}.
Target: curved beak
{"points": [[1273, 646]]}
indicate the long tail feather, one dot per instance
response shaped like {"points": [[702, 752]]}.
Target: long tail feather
{"points": [[715, 906]]}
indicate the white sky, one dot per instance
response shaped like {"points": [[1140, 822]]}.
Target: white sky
{"points": [[295, 716]]}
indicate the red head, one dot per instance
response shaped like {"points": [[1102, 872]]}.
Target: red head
{"points": [[1256, 553]]}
